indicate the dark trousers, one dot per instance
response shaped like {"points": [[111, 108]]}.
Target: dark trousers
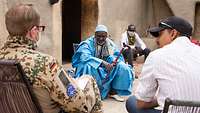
{"points": [[131, 54], [131, 107]]}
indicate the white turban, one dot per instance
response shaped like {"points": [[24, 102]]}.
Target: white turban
{"points": [[101, 28]]}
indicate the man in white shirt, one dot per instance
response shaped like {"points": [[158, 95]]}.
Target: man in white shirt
{"points": [[135, 45], [171, 71]]}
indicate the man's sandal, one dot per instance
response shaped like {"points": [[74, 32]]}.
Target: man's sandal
{"points": [[117, 98]]}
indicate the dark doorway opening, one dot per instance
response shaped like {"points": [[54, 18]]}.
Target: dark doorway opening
{"points": [[71, 27]]}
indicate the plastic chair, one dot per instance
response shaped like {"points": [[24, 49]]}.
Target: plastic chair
{"points": [[181, 106], [16, 94], [75, 46], [72, 71]]}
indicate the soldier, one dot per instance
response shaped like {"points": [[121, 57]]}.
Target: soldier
{"points": [[55, 90]]}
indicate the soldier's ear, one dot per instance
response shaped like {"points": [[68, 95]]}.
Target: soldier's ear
{"points": [[28, 34], [32, 33]]}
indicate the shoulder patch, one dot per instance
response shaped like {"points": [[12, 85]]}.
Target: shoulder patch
{"points": [[71, 91]]}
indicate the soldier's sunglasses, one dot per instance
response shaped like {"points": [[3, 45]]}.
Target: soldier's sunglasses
{"points": [[40, 28]]}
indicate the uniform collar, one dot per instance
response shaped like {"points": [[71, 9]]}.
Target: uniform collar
{"points": [[20, 41]]}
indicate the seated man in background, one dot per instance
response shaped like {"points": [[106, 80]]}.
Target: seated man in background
{"points": [[55, 90], [172, 71], [136, 46], [95, 56]]}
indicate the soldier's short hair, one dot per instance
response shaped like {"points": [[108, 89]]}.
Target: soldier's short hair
{"points": [[20, 19]]}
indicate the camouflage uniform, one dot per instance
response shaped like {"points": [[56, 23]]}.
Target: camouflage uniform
{"points": [[52, 86]]}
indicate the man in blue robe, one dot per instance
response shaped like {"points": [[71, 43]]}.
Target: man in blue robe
{"points": [[95, 56]]}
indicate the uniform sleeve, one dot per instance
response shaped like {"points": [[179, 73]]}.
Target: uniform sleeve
{"points": [[147, 85], [63, 89]]}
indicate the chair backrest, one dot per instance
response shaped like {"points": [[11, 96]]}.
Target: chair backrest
{"points": [[75, 46], [181, 106], [16, 94]]}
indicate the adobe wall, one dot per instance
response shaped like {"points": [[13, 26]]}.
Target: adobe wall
{"points": [[50, 42], [116, 14]]}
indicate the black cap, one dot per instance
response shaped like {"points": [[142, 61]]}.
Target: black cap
{"points": [[131, 27], [181, 25]]}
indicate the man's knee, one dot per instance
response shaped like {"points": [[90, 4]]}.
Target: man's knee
{"points": [[127, 51], [146, 51], [131, 104]]}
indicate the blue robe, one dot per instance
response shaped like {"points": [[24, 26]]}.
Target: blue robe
{"points": [[121, 77]]}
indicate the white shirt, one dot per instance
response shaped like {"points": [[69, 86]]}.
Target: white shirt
{"points": [[138, 40], [172, 71]]}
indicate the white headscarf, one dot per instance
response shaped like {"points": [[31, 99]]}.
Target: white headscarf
{"points": [[101, 28]]}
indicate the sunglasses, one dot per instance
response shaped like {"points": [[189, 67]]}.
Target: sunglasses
{"points": [[40, 28]]}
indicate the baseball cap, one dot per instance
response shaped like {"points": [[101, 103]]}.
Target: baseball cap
{"points": [[131, 27], [174, 22]]}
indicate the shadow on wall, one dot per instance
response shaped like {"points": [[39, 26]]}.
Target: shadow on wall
{"points": [[196, 33], [154, 11], [89, 17]]}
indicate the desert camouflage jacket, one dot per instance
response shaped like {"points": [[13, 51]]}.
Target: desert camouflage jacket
{"points": [[44, 71]]}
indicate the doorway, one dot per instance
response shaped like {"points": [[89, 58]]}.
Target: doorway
{"points": [[79, 19], [71, 27]]}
